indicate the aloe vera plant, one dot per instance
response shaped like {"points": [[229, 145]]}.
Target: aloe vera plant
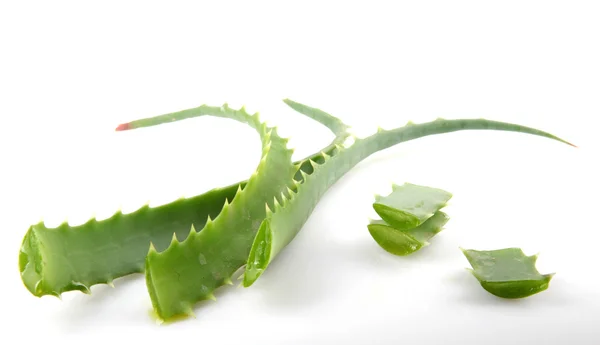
{"points": [[253, 220], [507, 273]]}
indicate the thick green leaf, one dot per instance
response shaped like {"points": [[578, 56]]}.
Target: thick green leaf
{"points": [[405, 242], [189, 271], [409, 205], [507, 273], [66, 258]]}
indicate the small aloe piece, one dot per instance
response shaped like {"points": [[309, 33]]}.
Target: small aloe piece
{"points": [[405, 242], [279, 228], [507, 273], [409, 205]]}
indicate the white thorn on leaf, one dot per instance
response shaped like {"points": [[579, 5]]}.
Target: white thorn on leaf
{"points": [[290, 192], [152, 249]]}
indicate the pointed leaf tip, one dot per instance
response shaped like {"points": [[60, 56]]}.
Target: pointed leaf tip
{"points": [[123, 127]]}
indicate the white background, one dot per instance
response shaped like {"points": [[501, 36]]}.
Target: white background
{"points": [[71, 72]]}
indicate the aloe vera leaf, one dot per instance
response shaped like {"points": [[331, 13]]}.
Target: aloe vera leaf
{"points": [[67, 258], [189, 271], [409, 205], [507, 273], [282, 226]]}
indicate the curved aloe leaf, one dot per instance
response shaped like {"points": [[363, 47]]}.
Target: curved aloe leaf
{"points": [[189, 271], [409, 205], [67, 258], [405, 242], [507, 273], [282, 226]]}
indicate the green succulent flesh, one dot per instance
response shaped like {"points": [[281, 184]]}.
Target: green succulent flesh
{"points": [[507, 273], [287, 219], [410, 205], [67, 258], [405, 242]]}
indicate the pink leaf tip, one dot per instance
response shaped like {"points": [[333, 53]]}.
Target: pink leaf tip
{"points": [[123, 127]]}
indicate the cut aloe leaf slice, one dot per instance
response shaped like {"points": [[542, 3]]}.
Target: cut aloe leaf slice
{"points": [[405, 242], [507, 273], [410, 205]]}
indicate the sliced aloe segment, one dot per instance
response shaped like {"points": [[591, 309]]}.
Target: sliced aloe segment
{"points": [[410, 205], [507, 273], [405, 242]]}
